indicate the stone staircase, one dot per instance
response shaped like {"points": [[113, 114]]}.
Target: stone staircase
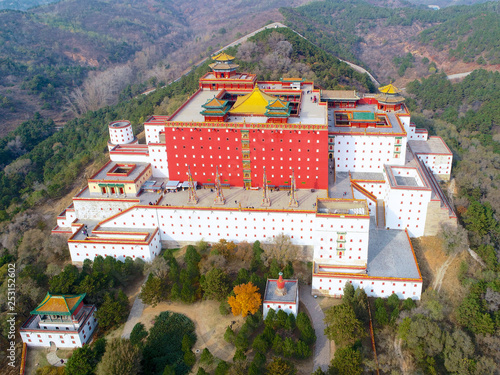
{"points": [[380, 214], [439, 210]]}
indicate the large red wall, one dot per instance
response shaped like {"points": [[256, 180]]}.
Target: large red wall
{"points": [[193, 143]]}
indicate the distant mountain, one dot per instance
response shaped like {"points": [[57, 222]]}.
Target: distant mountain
{"points": [[48, 52], [23, 4], [396, 39]]}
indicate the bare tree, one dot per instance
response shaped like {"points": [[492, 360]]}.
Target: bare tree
{"points": [[19, 166], [248, 52], [455, 238], [159, 267], [280, 248], [99, 89]]}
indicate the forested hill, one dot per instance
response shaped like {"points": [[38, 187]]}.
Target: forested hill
{"points": [[23, 4], [467, 116], [377, 35]]}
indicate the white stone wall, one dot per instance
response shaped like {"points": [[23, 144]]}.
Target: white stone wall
{"points": [[120, 250], [159, 161], [333, 285], [153, 133], [354, 243], [181, 225], [126, 157], [407, 209], [439, 164], [289, 308], [67, 218], [377, 189], [367, 153]]}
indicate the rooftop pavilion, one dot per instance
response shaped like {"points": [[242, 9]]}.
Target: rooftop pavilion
{"points": [[342, 207]]}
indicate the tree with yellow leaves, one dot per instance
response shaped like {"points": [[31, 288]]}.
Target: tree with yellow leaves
{"points": [[246, 299]]}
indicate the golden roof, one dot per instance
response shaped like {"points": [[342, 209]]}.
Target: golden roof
{"points": [[278, 103], [223, 57], [389, 99], [223, 66], [254, 103], [389, 89], [59, 304], [215, 103]]}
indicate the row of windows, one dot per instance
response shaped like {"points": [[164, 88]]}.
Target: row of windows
{"points": [[381, 144], [237, 235], [361, 282], [393, 292], [370, 167], [362, 151], [105, 255]]}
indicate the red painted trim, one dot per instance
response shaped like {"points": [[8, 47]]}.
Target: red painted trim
{"points": [[108, 199], [338, 275], [119, 127], [413, 252]]}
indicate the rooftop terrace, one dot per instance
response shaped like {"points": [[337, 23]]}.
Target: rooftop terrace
{"points": [[433, 145], [117, 171], [394, 125], [310, 112], [237, 197]]}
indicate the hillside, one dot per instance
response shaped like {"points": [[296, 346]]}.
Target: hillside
{"points": [[47, 52], [381, 34]]}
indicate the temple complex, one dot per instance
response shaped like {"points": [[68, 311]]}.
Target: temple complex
{"points": [[346, 175]]}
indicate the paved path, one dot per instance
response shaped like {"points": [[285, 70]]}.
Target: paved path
{"points": [[322, 346], [54, 360], [135, 315], [458, 75]]}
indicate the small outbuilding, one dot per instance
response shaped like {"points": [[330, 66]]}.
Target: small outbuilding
{"points": [[281, 294], [62, 320]]}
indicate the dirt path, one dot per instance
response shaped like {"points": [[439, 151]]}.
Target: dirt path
{"points": [[438, 281], [399, 354]]}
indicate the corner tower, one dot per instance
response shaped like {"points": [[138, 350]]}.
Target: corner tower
{"points": [[120, 133]]}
